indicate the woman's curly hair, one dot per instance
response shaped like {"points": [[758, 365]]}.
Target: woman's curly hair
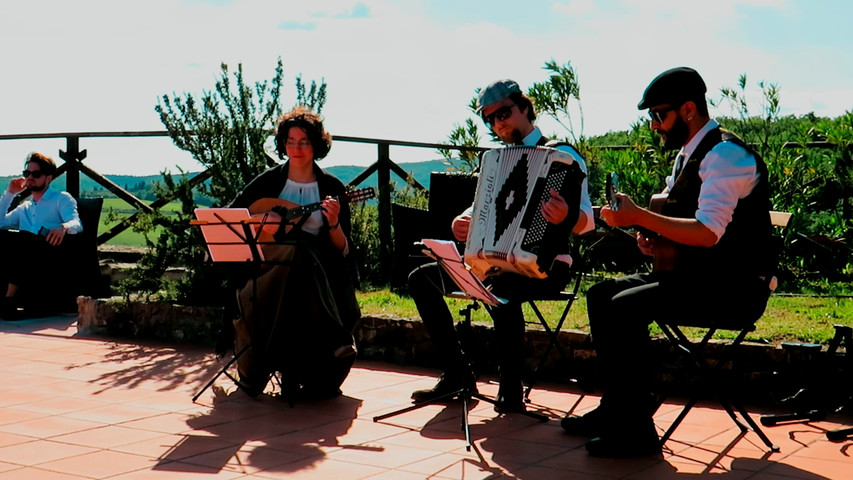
{"points": [[304, 118]]}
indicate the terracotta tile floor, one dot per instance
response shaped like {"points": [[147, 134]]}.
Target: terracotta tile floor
{"points": [[83, 407]]}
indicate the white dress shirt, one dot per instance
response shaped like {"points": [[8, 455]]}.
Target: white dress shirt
{"points": [[55, 209]]}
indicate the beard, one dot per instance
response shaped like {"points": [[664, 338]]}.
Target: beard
{"points": [[515, 138], [676, 137], [37, 188]]}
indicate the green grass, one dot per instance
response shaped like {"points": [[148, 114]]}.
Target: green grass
{"points": [[798, 319], [120, 207]]}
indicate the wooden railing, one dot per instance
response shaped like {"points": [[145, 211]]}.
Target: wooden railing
{"points": [[384, 166]]}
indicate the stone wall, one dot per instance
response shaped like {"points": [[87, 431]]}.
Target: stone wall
{"points": [[768, 370]]}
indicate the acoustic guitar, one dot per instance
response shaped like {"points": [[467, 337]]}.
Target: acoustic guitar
{"points": [[665, 251], [259, 208]]}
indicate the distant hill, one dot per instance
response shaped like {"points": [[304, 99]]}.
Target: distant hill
{"points": [[420, 171], [141, 185]]}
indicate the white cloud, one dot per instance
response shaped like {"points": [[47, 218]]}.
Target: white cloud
{"points": [[576, 7], [393, 71]]}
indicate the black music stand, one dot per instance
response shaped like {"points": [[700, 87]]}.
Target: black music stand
{"points": [[447, 256], [820, 399], [232, 238]]}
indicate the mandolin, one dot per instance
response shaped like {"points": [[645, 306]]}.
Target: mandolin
{"points": [[293, 210]]}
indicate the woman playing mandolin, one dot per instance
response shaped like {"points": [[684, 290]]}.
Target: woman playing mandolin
{"points": [[300, 308]]}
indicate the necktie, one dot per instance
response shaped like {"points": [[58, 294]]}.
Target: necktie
{"points": [[679, 160]]}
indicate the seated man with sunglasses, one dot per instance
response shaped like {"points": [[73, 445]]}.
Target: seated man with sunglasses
{"points": [[715, 227], [510, 115], [32, 231]]}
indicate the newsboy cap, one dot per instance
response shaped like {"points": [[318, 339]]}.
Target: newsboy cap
{"points": [[673, 87], [495, 92]]}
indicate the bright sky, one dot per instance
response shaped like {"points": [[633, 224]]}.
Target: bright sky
{"points": [[396, 69]]}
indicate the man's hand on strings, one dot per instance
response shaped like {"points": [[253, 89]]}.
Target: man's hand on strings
{"points": [[645, 244], [628, 214]]}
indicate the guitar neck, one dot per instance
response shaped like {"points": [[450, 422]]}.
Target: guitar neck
{"points": [[293, 210], [302, 210], [355, 196]]}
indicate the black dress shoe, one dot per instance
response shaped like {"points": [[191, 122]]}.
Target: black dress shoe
{"points": [[626, 442], [592, 424], [510, 397], [248, 386], [447, 384], [8, 309]]}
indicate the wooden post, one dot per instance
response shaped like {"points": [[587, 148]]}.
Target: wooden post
{"points": [[384, 211], [72, 156]]}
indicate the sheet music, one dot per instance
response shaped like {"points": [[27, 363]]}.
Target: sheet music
{"points": [[445, 252], [224, 234]]}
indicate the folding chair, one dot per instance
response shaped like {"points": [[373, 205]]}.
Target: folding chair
{"points": [[580, 249], [739, 322], [706, 370], [567, 296]]}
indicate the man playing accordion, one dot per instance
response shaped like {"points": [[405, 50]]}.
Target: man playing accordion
{"points": [[510, 115]]}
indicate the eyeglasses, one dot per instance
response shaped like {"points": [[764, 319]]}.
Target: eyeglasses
{"points": [[498, 115], [300, 143], [34, 173], [660, 115]]}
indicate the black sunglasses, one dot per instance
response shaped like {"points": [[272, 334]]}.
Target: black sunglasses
{"points": [[660, 115], [33, 173], [498, 115]]}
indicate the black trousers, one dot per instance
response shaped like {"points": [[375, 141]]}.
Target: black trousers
{"points": [[26, 258], [428, 285], [620, 311]]}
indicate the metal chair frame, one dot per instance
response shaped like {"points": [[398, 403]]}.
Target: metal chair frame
{"points": [[695, 352]]}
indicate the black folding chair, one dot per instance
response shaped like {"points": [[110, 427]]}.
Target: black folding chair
{"points": [[708, 371], [567, 296]]}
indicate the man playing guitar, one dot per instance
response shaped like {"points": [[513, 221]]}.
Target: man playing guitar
{"points": [[716, 214]]}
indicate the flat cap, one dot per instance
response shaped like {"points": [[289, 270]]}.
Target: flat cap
{"points": [[495, 92], [673, 87]]}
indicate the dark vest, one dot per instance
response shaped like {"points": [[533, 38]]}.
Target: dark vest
{"points": [[745, 247]]}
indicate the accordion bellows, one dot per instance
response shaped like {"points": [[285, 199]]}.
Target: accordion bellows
{"points": [[508, 232]]}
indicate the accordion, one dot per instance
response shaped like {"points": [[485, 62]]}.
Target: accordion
{"points": [[508, 232]]}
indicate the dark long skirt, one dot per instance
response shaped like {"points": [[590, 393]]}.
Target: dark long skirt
{"points": [[295, 324]]}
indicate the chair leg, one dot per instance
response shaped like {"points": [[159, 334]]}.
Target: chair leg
{"points": [[553, 342], [694, 352], [677, 421]]}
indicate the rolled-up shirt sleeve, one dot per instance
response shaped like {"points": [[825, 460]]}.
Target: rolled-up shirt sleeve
{"points": [[69, 215], [728, 173]]}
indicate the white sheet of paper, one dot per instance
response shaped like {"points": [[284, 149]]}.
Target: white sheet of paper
{"points": [[447, 255], [226, 241]]}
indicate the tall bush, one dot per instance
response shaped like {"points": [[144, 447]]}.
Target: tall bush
{"points": [[225, 130]]}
